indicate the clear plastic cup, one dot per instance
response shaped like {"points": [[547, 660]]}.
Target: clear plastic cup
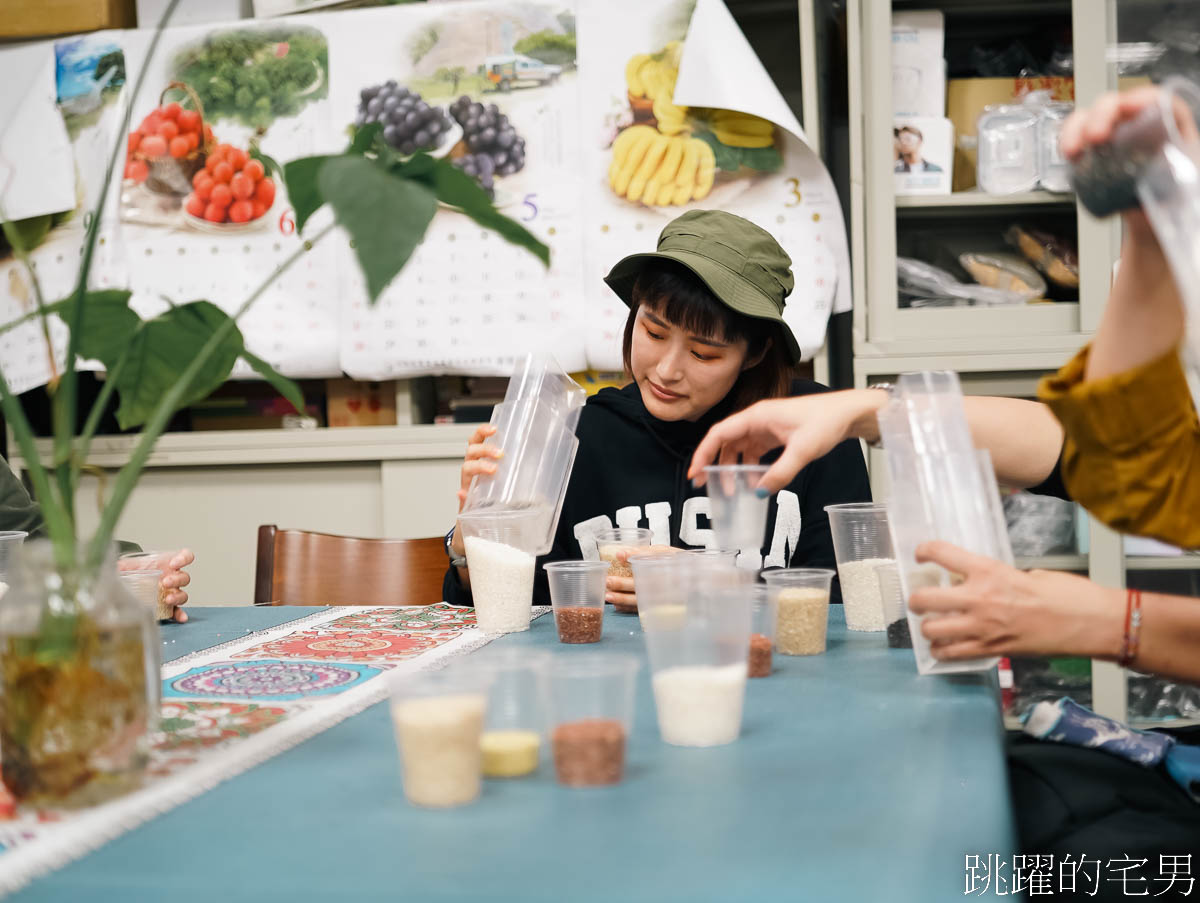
{"points": [[662, 581], [699, 669], [764, 621], [895, 612], [501, 557], [146, 587], [590, 700], [10, 545], [717, 568], [515, 724], [132, 562], [577, 593], [861, 542], [802, 608], [737, 512], [538, 379], [438, 717], [609, 546]]}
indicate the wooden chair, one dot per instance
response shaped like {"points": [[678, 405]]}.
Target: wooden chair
{"points": [[298, 567]]}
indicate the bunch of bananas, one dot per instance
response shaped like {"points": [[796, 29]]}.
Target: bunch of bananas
{"points": [[741, 129], [652, 76], [661, 170]]}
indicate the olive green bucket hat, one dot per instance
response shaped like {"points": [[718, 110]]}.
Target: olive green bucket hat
{"points": [[741, 263]]}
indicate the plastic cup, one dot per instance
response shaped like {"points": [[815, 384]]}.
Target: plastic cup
{"points": [[515, 723], [717, 568], [611, 543], [500, 547], [699, 668], [577, 593], [10, 544], [895, 612], [661, 581], [146, 587], [132, 562], [801, 598], [861, 542], [438, 717], [764, 620], [737, 512], [590, 699]]}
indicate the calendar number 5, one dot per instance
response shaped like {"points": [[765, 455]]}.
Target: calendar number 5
{"points": [[529, 204]]}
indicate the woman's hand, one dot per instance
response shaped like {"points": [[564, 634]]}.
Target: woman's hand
{"points": [[619, 590], [479, 459], [174, 579], [807, 428], [999, 610]]}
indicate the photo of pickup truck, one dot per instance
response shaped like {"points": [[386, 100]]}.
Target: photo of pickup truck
{"points": [[513, 69]]}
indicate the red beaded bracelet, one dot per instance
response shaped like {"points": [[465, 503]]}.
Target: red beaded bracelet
{"points": [[1133, 627]]}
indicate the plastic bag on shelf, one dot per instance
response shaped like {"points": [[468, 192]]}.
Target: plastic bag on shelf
{"points": [[1004, 272], [1007, 161], [1039, 524], [1158, 699], [922, 280], [1053, 256]]}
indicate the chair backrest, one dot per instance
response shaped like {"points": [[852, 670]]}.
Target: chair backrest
{"points": [[298, 567]]}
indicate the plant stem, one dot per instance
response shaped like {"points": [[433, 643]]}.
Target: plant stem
{"points": [[58, 524], [128, 476], [93, 422], [66, 398]]}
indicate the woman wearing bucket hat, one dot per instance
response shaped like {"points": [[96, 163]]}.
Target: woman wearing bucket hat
{"points": [[705, 337]]}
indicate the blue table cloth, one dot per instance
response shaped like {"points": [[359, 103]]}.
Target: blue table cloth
{"points": [[855, 780]]}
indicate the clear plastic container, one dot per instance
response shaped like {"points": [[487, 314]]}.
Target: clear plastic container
{"points": [[895, 612], [1008, 149], [737, 512], [146, 587], [577, 594], [801, 597], [10, 546], [942, 488], [611, 543], [515, 724], [764, 620], [438, 718], [861, 543], [535, 428], [662, 581], [501, 548], [149, 561], [699, 668], [590, 704], [1054, 171]]}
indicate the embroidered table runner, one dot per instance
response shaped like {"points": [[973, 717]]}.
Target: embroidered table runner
{"points": [[234, 705]]}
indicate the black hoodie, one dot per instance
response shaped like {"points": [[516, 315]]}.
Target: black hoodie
{"points": [[631, 470]]}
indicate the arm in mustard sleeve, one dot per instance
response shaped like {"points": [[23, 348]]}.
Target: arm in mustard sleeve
{"points": [[1132, 454]]}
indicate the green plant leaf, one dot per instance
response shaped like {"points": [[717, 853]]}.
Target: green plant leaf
{"points": [[270, 164], [764, 159], [303, 187], [363, 137], [457, 189], [385, 214], [284, 386], [728, 158], [108, 326], [165, 346]]}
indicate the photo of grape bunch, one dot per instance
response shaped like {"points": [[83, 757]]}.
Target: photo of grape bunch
{"points": [[409, 123], [488, 133]]}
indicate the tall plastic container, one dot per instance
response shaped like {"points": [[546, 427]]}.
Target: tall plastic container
{"points": [[535, 428], [942, 488]]}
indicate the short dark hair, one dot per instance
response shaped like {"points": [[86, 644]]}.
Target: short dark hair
{"points": [[676, 294], [915, 131]]}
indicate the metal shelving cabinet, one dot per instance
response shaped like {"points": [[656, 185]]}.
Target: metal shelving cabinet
{"points": [[997, 351]]}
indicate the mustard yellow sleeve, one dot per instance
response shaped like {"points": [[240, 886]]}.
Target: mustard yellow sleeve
{"points": [[1132, 451]]}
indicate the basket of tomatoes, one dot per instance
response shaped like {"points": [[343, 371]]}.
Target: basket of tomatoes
{"points": [[233, 189], [171, 145]]}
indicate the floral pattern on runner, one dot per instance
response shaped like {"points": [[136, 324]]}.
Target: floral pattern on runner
{"points": [[439, 616], [273, 680], [194, 724], [350, 645]]}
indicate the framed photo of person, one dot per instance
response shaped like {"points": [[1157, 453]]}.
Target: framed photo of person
{"points": [[922, 155]]}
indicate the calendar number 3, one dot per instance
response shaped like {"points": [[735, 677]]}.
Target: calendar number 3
{"points": [[794, 192]]}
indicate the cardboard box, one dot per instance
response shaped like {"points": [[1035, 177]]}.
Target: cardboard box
{"points": [[923, 154], [36, 18], [966, 98], [918, 66], [349, 402]]}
